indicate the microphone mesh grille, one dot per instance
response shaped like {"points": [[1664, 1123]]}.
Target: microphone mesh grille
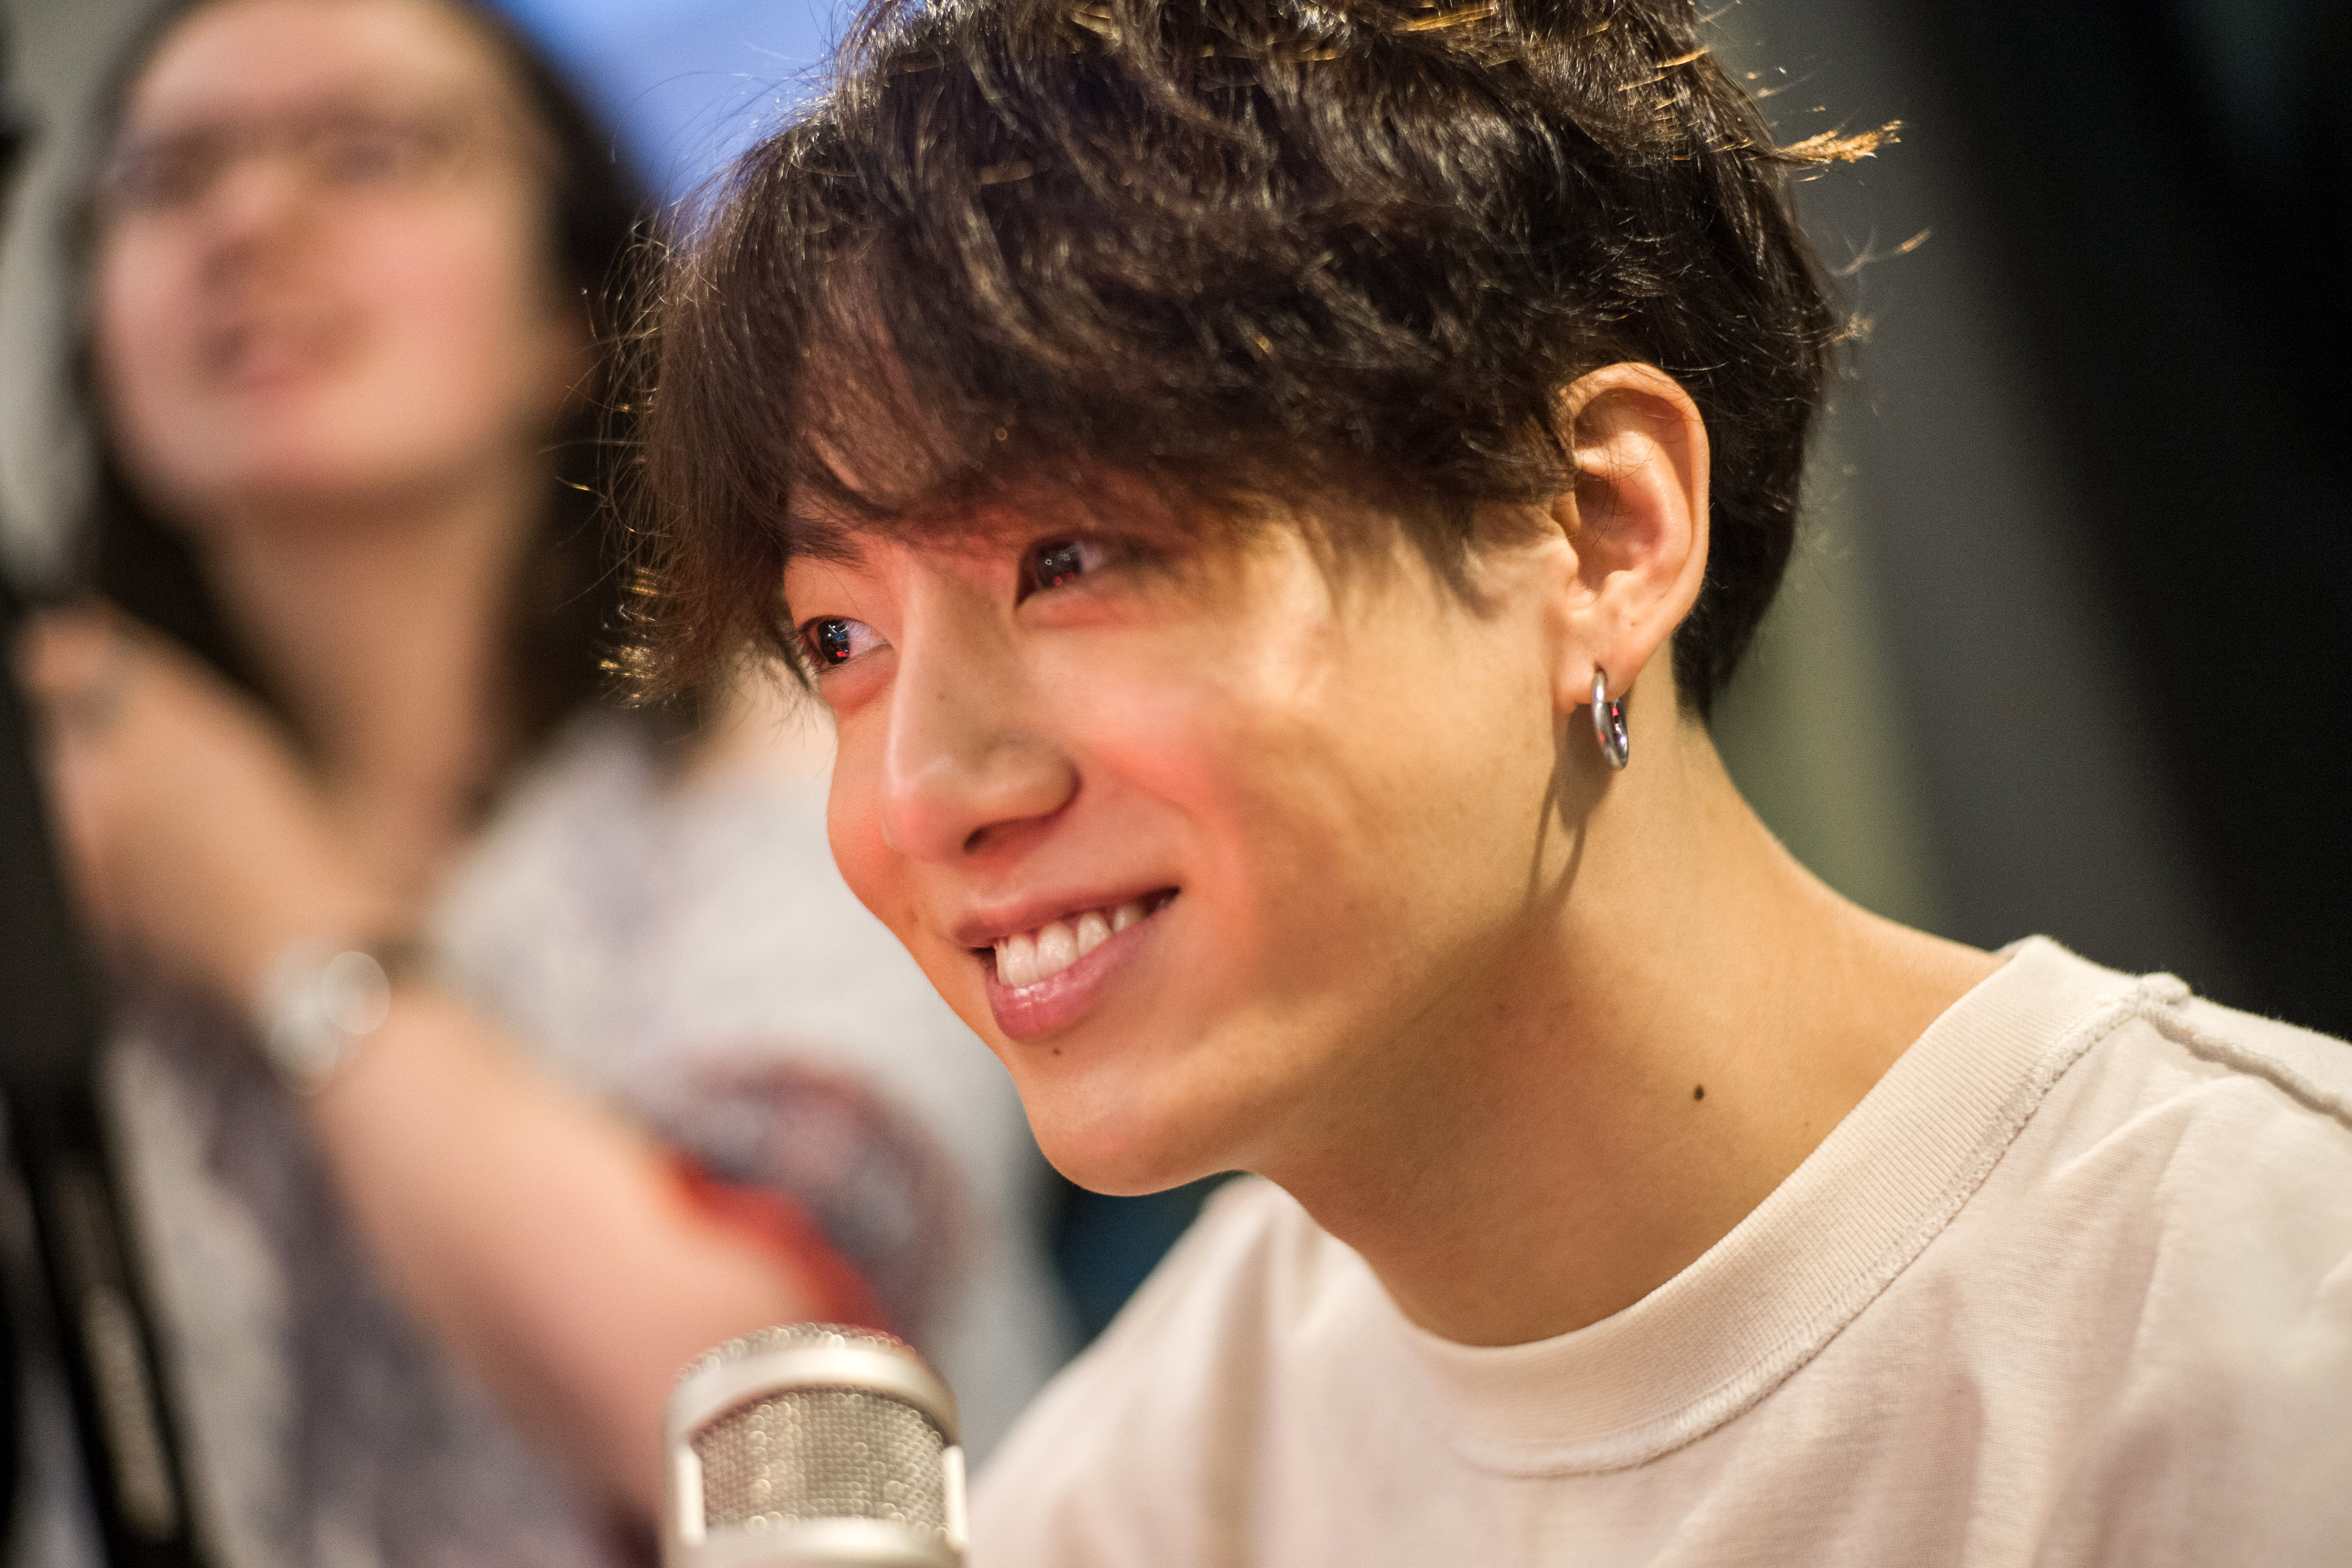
{"points": [[803, 1454], [822, 1453]]}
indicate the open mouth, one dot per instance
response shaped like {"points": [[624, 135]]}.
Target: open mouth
{"points": [[1032, 957]]}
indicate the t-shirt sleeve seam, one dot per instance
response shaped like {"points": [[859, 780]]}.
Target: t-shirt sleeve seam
{"points": [[2336, 1103]]}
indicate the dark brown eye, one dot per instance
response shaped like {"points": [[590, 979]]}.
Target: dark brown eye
{"points": [[1059, 562], [832, 640], [163, 172], [363, 153], [1056, 563]]}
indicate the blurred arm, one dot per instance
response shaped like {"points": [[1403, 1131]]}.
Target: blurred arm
{"points": [[548, 1242]]}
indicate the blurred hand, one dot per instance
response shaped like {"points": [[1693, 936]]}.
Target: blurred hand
{"points": [[195, 836]]}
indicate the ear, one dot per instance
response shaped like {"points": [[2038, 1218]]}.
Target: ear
{"points": [[1635, 523]]}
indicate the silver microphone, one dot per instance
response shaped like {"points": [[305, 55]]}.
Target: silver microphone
{"points": [[813, 1446]]}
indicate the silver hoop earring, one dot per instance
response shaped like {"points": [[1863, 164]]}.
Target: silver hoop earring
{"points": [[1609, 721]]}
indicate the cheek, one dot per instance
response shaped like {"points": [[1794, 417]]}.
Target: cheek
{"points": [[144, 341], [853, 820], [1231, 788], [884, 881], [1345, 818], [465, 332], [1255, 760]]}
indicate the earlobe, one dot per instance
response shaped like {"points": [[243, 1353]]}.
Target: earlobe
{"points": [[1636, 519]]}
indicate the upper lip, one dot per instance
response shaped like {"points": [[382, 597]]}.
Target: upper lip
{"points": [[988, 926], [229, 340]]}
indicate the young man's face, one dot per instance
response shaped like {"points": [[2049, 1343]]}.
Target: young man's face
{"points": [[1216, 846]]}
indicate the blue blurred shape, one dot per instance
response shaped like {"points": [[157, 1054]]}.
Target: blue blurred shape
{"points": [[686, 84]]}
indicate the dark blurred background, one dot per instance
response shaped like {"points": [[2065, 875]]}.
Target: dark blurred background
{"points": [[2096, 462], [2065, 649]]}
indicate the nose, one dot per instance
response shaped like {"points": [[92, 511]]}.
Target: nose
{"points": [[255, 201], [966, 766]]}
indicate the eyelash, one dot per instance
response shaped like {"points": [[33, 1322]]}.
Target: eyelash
{"points": [[831, 641]]}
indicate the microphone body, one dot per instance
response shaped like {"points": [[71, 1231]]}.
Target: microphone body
{"points": [[813, 1446]]}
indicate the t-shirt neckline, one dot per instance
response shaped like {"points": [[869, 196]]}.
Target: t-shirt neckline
{"points": [[1717, 1337]]}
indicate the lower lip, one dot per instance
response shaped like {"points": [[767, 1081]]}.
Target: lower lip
{"points": [[1033, 1012], [268, 373]]}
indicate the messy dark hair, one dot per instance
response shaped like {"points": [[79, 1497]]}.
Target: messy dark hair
{"points": [[1283, 248], [564, 610]]}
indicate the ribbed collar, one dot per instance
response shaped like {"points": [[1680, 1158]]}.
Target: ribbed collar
{"points": [[1758, 1305]]}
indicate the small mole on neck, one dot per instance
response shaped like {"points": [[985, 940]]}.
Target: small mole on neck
{"points": [[1699, 1093]]}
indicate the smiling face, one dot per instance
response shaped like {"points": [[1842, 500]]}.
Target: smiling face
{"points": [[324, 271], [1215, 845]]}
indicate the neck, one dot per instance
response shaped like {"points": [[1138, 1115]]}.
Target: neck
{"points": [[1687, 1017], [381, 624]]}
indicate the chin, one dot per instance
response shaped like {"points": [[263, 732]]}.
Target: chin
{"points": [[314, 449], [1123, 1141], [245, 469]]}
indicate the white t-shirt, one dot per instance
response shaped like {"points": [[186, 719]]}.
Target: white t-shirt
{"points": [[2073, 1284]]}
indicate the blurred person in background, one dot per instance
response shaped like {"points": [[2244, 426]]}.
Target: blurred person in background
{"points": [[618, 1069]]}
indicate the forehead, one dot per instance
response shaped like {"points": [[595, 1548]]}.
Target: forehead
{"points": [[249, 58]]}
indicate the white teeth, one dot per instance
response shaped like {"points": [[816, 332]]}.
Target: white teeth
{"points": [[1057, 949], [1023, 961], [1016, 962]]}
